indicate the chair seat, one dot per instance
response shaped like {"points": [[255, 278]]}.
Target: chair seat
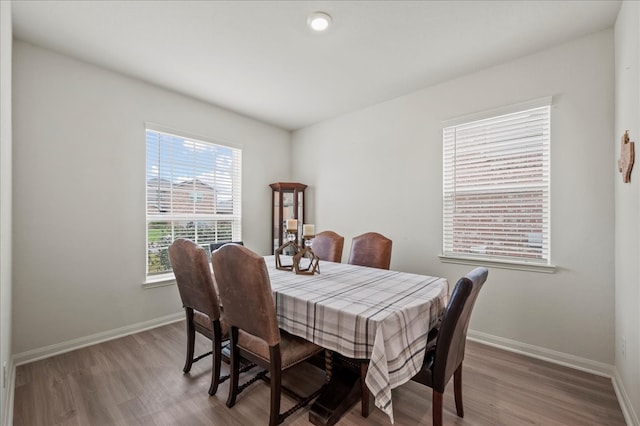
{"points": [[432, 338], [425, 375], [293, 349], [203, 321]]}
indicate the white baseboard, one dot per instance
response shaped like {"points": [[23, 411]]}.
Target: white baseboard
{"points": [[630, 416], [70, 345], [566, 360], [560, 358], [81, 342]]}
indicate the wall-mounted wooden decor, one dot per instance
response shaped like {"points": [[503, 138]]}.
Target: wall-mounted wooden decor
{"points": [[627, 154]]}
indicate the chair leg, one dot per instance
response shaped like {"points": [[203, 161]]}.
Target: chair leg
{"points": [[234, 367], [457, 389], [364, 390], [191, 339], [437, 408], [216, 352], [276, 385]]}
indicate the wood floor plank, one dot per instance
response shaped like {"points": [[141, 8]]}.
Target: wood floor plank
{"points": [[138, 380]]}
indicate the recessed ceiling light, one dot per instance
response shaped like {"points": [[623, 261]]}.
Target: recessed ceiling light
{"points": [[319, 21]]}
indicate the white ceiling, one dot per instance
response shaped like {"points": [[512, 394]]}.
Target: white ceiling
{"points": [[258, 57]]}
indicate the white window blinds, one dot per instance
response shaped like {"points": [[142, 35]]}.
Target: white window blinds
{"points": [[496, 187], [193, 191]]}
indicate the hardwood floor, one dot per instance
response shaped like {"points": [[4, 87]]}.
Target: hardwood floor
{"points": [[138, 380]]}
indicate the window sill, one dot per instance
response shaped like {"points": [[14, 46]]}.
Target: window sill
{"points": [[504, 264], [159, 281]]}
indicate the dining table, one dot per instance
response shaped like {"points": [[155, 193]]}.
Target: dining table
{"points": [[376, 316]]}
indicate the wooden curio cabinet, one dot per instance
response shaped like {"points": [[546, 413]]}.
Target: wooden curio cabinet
{"points": [[287, 202]]}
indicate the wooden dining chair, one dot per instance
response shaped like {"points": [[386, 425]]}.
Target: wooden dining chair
{"points": [[444, 359], [245, 289], [200, 302], [215, 246], [371, 249], [328, 245]]}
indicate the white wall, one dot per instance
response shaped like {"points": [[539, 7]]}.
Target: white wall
{"points": [[78, 198], [79, 194], [385, 175], [6, 40], [627, 197]]}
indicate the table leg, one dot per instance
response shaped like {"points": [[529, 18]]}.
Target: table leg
{"points": [[339, 395], [366, 395]]}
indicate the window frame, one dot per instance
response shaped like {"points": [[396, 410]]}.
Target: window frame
{"points": [[168, 278], [505, 262]]}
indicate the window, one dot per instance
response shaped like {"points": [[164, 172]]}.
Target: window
{"points": [[193, 191], [496, 186]]}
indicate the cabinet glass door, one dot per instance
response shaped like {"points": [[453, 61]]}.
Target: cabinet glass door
{"points": [[287, 203]]}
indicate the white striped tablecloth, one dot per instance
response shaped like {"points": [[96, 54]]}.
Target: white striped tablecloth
{"points": [[364, 313]]}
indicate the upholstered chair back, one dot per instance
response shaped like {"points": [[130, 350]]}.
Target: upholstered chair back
{"points": [[244, 285], [328, 245], [452, 334], [371, 249], [193, 277]]}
